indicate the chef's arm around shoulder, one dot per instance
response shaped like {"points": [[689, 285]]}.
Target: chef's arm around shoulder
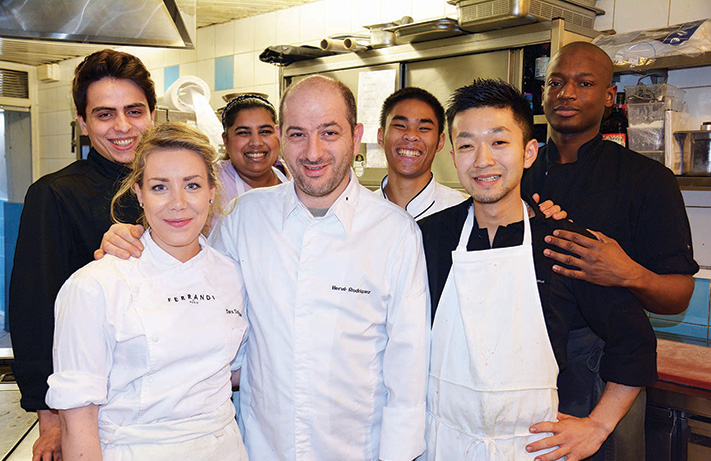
{"points": [[578, 438], [80, 433]]}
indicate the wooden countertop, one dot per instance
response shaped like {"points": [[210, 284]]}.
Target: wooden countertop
{"points": [[685, 364]]}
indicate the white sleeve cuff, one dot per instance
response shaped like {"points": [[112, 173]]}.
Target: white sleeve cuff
{"points": [[402, 434], [74, 389]]}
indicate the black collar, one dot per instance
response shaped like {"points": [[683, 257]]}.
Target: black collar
{"points": [[584, 152], [106, 167]]}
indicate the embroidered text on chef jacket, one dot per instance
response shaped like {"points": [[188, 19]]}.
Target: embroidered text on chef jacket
{"points": [[338, 307]]}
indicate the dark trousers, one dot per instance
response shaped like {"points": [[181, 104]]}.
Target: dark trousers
{"points": [[580, 388]]}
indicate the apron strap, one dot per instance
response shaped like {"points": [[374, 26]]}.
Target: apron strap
{"points": [[490, 449], [469, 226]]}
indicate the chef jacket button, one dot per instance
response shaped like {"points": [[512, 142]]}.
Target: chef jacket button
{"points": [[150, 380], [154, 339]]}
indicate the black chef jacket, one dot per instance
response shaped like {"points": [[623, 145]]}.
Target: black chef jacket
{"points": [[63, 220], [614, 314], [627, 196]]}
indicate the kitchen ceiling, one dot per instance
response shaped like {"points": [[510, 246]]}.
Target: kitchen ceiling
{"points": [[208, 12]]}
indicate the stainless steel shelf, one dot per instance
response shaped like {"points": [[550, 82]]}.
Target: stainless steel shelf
{"points": [[671, 62], [694, 182]]}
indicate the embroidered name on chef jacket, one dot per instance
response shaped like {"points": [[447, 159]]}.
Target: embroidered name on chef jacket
{"points": [[357, 291], [190, 298]]}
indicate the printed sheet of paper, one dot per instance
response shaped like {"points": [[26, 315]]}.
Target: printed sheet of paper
{"points": [[375, 156], [373, 88]]}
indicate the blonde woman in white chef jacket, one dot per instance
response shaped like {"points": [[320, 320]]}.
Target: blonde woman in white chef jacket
{"points": [[146, 349]]}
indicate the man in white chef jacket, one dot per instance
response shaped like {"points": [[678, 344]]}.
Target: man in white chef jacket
{"points": [[338, 304], [411, 133], [502, 314]]}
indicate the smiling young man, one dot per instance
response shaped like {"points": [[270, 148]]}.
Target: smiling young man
{"points": [[502, 315], [65, 215], [411, 133], [642, 239]]}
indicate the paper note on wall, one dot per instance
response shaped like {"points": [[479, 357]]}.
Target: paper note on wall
{"points": [[375, 156], [373, 88]]}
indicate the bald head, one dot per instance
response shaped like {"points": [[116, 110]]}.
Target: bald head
{"points": [[322, 85], [581, 51], [577, 91]]}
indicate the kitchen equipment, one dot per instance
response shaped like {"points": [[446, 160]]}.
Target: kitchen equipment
{"points": [[654, 113], [695, 150], [380, 34], [426, 30], [482, 15]]}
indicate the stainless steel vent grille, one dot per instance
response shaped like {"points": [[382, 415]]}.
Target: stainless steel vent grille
{"points": [[549, 11], [484, 10], [14, 84], [482, 15]]}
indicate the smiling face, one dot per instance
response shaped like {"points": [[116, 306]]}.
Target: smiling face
{"points": [[117, 114], [252, 144], [577, 90], [176, 198], [410, 139], [490, 154], [318, 144]]}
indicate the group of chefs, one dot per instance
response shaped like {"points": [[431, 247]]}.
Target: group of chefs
{"points": [[483, 330]]}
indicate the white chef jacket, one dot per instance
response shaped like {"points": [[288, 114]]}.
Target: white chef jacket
{"points": [[336, 364], [152, 341], [433, 198], [232, 183]]}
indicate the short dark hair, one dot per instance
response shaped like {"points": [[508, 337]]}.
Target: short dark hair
{"points": [[114, 64], [346, 94], [243, 102], [412, 92], [485, 92]]}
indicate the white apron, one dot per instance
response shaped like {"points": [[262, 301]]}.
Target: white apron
{"points": [[492, 371]]}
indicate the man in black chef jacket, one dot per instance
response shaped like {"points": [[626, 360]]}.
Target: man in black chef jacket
{"points": [[490, 127], [641, 239], [65, 216]]}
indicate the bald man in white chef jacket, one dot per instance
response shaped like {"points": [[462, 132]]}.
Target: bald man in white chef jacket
{"points": [[338, 304]]}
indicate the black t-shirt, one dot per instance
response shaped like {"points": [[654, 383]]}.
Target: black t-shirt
{"points": [[614, 314], [627, 196]]}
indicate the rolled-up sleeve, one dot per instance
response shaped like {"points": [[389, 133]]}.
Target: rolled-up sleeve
{"points": [[83, 344], [406, 356], [614, 314]]}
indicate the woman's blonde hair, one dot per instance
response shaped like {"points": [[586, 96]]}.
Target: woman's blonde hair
{"points": [[171, 135]]}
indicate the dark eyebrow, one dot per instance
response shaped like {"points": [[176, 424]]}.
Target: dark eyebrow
{"points": [[102, 109], [114, 109], [405, 119], [320, 127], [260, 127], [498, 129]]}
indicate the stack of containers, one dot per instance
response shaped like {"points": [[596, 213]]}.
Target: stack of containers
{"points": [[654, 113]]}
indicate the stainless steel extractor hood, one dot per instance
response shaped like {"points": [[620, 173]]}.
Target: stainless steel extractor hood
{"points": [[112, 22]]}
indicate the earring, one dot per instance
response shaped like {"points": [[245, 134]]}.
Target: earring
{"points": [[210, 201], [140, 204]]}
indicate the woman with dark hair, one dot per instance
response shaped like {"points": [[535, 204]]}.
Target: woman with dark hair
{"points": [[252, 146], [146, 349]]}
